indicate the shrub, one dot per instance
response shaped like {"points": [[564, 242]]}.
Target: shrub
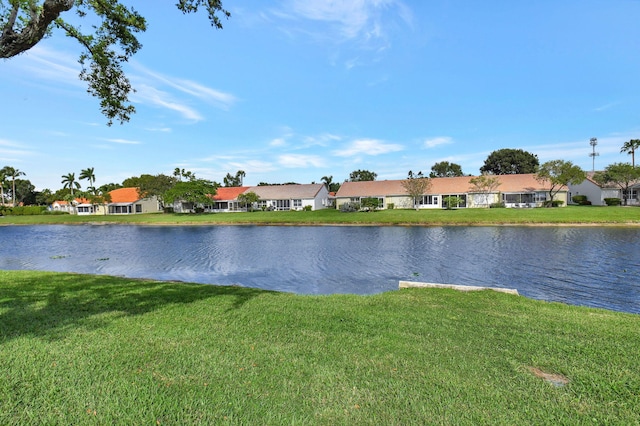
{"points": [[391, 206], [199, 210], [167, 209], [554, 203], [307, 208], [613, 201], [25, 211], [500, 205], [580, 199], [350, 207]]}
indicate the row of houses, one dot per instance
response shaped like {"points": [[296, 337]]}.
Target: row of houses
{"points": [[515, 191]]}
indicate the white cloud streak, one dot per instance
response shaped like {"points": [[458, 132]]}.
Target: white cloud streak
{"points": [[159, 98], [355, 19], [367, 147], [434, 142], [301, 161], [124, 141]]}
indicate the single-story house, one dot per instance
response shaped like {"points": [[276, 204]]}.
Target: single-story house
{"points": [[128, 201], [596, 193], [514, 190], [226, 199], [80, 206], [291, 197]]}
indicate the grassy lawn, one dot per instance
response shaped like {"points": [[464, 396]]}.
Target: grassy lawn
{"points": [[79, 349], [564, 215]]}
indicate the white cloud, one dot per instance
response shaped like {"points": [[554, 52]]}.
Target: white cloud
{"points": [[300, 161], [363, 21], [354, 19], [367, 147], [606, 106], [124, 141], [221, 99], [441, 140], [162, 99], [49, 64], [278, 142]]}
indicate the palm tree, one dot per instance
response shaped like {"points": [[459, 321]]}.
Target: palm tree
{"points": [[69, 181], [13, 173], [89, 175], [3, 177], [630, 148]]}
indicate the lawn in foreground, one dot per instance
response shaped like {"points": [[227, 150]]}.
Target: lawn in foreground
{"points": [[80, 349], [431, 217]]}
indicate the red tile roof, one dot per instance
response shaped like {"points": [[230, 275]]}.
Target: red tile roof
{"points": [[124, 195], [229, 193]]}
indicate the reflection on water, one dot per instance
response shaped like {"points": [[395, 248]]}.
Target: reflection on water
{"points": [[597, 266]]}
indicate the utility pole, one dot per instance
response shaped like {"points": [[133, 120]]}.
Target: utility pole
{"points": [[593, 142]]}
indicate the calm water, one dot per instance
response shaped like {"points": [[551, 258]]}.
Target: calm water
{"points": [[584, 266]]}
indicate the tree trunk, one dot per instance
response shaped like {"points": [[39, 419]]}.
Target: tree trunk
{"points": [[12, 44]]}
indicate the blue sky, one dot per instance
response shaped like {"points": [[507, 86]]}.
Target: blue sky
{"points": [[294, 90]]}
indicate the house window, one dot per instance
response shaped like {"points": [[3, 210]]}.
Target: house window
{"points": [[519, 198], [462, 200], [138, 208], [297, 203], [283, 204], [354, 199], [429, 200], [541, 197], [83, 209]]}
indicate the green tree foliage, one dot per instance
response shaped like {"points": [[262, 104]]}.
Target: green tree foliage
{"points": [[510, 162], [196, 191], [445, 169], [370, 203], [108, 187], [107, 39], [623, 175], [362, 176], [416, 185], [330, 184], [485, 185], [150, 185], [44, 197], [557, 174], [24, 192], [248, 200], [88, 174], [450, 202], [630, 147], [3, 182], [12, 173], [230, 181], [69, 181]]}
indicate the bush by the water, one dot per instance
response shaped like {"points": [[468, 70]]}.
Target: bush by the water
{"points": [[350, 207], [25, 210]]}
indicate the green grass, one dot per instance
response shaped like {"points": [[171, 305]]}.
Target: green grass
{"points": [[80, 349], [564, 215]]}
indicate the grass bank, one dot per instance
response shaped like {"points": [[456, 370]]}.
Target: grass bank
{"points": [[80, 349], [573, 215]]}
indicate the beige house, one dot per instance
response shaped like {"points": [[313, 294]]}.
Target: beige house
{"points": [[515, 191], [292, 197], [128, 201]]}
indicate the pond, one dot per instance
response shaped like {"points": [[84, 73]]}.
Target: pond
{"points": [[590, 266]]}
